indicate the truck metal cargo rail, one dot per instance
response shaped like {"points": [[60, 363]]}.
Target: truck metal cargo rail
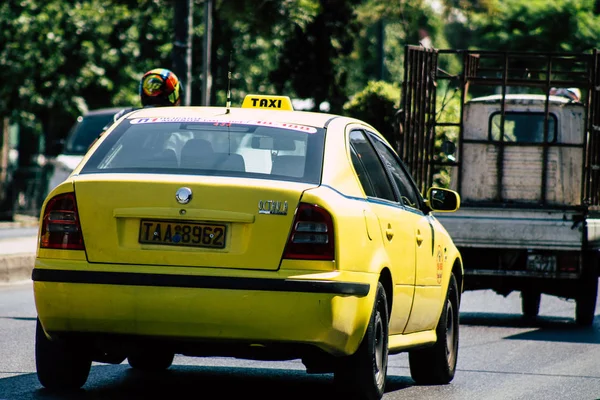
{"points": [[523, 151]]}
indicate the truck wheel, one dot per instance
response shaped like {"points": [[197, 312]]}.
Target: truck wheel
{"points": [[530, 303], [60, 365], [585, 308], [436, 365], [151, 361], [363, 374]]}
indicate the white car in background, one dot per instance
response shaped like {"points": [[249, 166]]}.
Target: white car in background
{"points": [[83, 133]]}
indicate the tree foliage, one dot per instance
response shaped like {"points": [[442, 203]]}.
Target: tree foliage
{"points": [[309, 61], [396, 24], [60, 58], [517, 25], [376, 104]]}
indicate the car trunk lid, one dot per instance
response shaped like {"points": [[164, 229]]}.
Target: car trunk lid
{"points": [[228, 223]]}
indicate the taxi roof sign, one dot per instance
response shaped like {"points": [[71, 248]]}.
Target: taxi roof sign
{"points": [[267, 102]]}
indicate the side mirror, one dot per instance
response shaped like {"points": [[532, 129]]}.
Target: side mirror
{"points": [[445, 200]]}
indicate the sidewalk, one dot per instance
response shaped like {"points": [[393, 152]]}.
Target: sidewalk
{"points": [[17, 255]]}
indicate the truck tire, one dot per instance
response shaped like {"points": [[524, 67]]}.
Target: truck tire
{"points": [[436, 365], [530, 303], [363, 374], [587, 290], [60, 365], [585, 308]]}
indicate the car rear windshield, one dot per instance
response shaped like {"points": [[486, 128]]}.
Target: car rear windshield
{"points": [[253, 149]]}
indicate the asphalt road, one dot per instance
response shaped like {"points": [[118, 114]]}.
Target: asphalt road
{"points": [[501, 357]]}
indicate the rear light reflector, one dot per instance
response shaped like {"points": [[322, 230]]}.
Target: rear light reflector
{"points": [[312, 236], [60, 225], [568, 262]]}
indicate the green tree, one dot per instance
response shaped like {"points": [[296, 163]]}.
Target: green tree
{"points": [[560, 25], [404, 22], [62, 60], [309, 64], [376, 104], [253, 34]]}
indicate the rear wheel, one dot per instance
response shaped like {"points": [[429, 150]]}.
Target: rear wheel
{"points": [[530, 303], [587, 292], [363, 374], [151, 361], [60, 365], [436, 365], [585, 308]]}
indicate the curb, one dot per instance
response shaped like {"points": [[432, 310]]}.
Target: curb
{"points": [[16, 267], [20, 221]]}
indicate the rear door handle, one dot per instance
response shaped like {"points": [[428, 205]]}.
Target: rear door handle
{"points": [[389, 233], [419, 238]]}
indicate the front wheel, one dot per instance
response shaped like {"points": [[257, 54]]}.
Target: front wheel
{"points": [[436, 365], [60, 365], [363, 374]]}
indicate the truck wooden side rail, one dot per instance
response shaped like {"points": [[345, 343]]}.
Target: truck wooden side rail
{"points": [[526, 163]]}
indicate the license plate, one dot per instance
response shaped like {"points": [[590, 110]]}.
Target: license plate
{"points": [[541, 263], [177, 233]]}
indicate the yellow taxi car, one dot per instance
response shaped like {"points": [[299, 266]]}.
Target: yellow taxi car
{"points": [[257, 232]]}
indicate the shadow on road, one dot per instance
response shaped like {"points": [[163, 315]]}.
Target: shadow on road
{"points": [[550, 329], [119, 382], [20, 318]]}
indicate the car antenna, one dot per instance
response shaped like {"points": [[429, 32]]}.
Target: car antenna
{"points": [[228, 104]]}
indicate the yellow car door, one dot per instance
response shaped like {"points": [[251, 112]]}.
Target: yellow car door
{"points": [[396, 223], [427, 293], [428, 289]]}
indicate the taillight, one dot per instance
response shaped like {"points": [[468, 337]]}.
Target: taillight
{"points": [[60, 226], [312, 234], [568, 261]]}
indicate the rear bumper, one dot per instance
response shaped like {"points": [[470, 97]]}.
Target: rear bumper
{"points": [[326, 310]]}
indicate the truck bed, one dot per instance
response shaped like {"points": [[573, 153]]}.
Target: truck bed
{"points": [[540, 229]]}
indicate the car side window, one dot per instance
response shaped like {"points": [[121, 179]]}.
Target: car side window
{"points": [[362, 173], [371, 172], [409, 195]]}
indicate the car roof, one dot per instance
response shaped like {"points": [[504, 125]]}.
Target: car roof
{"points": [[104, 111], [315, 119]]}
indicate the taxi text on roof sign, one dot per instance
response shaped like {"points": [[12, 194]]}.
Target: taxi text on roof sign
{"points": [[268, 102]]}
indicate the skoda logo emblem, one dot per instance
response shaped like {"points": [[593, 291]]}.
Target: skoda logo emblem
{"points": [[183, 195]]}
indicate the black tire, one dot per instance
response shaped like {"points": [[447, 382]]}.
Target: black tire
{"points": [[363, 374], [60, 365], [436, 365], [151, 361], [585, 308], [530, 303]]}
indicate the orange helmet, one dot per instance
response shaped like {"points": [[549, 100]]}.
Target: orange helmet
{"points": [[160, 87]]}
